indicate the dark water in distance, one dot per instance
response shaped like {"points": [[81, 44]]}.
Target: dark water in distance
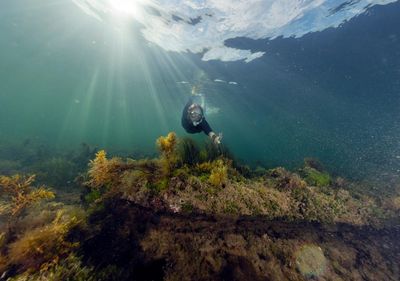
{"points": [[66, 78]]}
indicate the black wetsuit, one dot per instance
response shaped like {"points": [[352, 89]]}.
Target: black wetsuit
{"points": [[187, 124]]}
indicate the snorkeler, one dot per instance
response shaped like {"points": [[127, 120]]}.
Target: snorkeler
{"points": [[193, 120]]}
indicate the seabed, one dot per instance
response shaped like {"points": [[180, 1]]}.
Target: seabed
{"points": [[194, 213]]}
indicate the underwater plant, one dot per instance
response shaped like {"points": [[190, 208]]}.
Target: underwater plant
{"points": [[211, 152], [70, 268], [314, 177], [219, 173], [19, 193], [314, 173], [43, 247], [102, 171], [188, 151], [168, 149], [283, 179]]}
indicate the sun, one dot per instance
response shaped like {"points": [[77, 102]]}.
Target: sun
{"points": [[125, 7]]}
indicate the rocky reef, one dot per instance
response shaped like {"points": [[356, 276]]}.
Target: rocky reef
{"points": [[194, 213]]}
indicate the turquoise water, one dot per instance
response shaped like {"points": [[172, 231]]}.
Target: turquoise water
{"points": [[68, 77]]}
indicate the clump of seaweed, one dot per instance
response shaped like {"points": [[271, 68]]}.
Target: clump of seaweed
{"points": [[314, 177], [44, 246], [283, 179], [188, 151], [70, 268], [18, 193], [211, 152], [168, 149], [37, 234], [219, 174], [102, 171]]}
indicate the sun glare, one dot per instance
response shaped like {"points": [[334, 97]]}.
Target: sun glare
{"points": [[127, 7]]}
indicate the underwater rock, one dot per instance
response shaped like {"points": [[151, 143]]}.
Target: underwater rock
{"points": [[200, 247], [310, 261], [216, 187]]}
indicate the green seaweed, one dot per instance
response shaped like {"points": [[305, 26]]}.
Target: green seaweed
{"points": [[188, 151], [315, 177], [92, 196]]}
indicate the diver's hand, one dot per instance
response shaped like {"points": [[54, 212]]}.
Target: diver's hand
{"points": [[216, 139]]}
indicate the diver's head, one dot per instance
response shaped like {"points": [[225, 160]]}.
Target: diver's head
{"points": [[195, 114]]}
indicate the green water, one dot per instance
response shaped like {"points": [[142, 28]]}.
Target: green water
{"points": [[67, 78]]}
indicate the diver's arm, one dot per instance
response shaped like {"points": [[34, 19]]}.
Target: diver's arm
{"points": [[206, 127], [216, 139]]}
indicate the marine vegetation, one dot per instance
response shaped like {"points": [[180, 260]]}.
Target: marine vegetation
{"points": [[102, 171], [217, 187], [168, 149], [194, 214], [314, 177], [37, 234], [44, 246], [189, 151], [18, 193], [219, 174]]}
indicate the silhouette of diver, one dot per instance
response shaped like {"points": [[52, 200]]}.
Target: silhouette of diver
{"points": [[193, 120]]}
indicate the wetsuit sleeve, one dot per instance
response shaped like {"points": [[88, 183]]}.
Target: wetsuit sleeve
{"points": [[206, 127]]}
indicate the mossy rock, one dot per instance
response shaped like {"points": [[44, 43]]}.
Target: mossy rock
{"points": [[315, 177]]}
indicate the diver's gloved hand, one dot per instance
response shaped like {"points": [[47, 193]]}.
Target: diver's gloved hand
{"points": [[216, 139]]}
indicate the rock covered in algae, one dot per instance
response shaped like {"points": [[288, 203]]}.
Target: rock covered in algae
{"points": [[206, 218], [310, 261]]}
